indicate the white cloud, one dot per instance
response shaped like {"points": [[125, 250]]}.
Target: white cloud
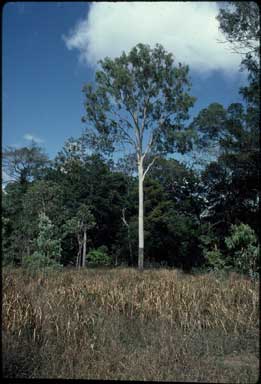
{"points": [[30, 137], [187, 29]]}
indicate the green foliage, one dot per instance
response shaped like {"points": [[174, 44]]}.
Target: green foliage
{"points": [[209, 243], [79, 227], [231, 181], [45, 243], [244, 248], [215, 259], [71, 226], [240, 22], [82, 192], [99, 256], [7, 257], [15, 236], [48, 249], [83, 220], [24, 164], [141, 85], [42, 196], [73, 154], [39, 261], [209, 123], [241, 252], [85, 217]]}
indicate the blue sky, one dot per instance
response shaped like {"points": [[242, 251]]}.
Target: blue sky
{"points": [[49, 52]]}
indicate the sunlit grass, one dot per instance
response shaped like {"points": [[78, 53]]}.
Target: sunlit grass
{"points": [[123, 324]]}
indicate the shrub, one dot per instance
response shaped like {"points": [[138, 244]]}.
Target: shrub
{"points": [[99, 256], [212, 254], [215, 259], [40, 261], [244, 248]]}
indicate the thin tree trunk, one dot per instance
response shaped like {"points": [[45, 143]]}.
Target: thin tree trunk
{"points": [[84, 248], [130, 247], [129, 238], [141, 217], [79, 258]]}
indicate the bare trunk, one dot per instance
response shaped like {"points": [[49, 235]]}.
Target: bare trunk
{"points": [[129, 238], [84, 248], [78, 260], [141, 220], [130, 247]]}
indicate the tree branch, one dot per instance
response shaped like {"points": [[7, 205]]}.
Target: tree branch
{"points": [[137, 132], [149, 166], [148, 146], [127, 135], [144, 116], [123, 217]]}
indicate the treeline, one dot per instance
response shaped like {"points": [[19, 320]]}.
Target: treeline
{"points": [[82, 207], [83, 200]]}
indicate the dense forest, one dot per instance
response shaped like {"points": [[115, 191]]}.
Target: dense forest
{"points": [[81, 208]]}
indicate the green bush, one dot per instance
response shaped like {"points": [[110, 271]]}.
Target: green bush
{"points": [[40, 261], [99, 256], [244, 248], [215, 259]]}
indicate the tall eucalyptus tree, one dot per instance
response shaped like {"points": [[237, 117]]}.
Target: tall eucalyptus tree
{"points": [[141, 100]]}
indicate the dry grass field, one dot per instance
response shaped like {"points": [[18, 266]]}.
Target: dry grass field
{"points": [[120, 324]]}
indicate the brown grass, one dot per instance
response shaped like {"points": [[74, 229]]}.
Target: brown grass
{"points": [[121, 324]]}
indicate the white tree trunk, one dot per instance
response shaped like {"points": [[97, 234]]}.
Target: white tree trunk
{"points": [[141, 217]]}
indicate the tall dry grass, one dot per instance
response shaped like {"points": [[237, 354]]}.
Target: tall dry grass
{"points": [[126, 325]]}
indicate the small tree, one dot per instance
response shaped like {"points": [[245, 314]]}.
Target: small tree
{"points": [[48, 249], [141, 101], [79, 225]]}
